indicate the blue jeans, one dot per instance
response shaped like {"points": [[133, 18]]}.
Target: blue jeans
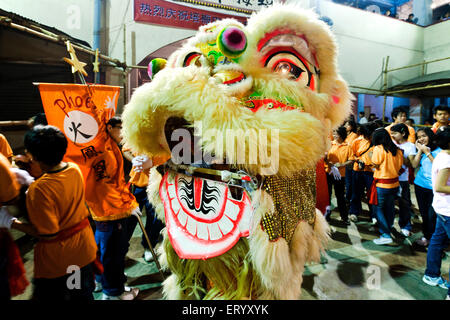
{"points": [[385, 210], [153, 225], [404, 204], [361, 180], [424, 200], [439, 241], [112, 241]]}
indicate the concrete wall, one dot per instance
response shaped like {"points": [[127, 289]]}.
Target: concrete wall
{"points": [[437, 46], [366, 38]]}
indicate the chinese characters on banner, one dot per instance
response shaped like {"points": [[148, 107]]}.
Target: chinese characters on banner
{"points": [[242, 4], [171, 14], [81, 113]]}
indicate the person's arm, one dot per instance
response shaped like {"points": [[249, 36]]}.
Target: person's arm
{"points": [[128, 155], [25, 227], [441, 181], [415, 159]]}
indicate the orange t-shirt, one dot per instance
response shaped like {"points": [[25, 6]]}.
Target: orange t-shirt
{"points": [[389, 166], [360, 149], [436, 126], [5, 148], [338, 153], [107, 193], [350, 138], [55, 202], [9, 187], [412, 132]]}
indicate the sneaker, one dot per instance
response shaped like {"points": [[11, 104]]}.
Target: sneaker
{"points": [[448, 298], [422, 242], [353, 218], [148, 257], [374, 221], [435, 281], [383, 240], [405, 232], [127, 295], [98, 286]]}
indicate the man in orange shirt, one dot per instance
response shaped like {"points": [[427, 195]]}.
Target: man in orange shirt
{"points": [[5, 148], [335, 164], [58, 213], [112, 207], [399, 116], [440, 114], [362, 171], [352, 129]]}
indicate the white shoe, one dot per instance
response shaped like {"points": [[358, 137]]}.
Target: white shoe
{"points": [[406, 232], [148, 257], [374, 221], [127, 295], [353, 218], [448, 298], [383, 240], [98, 287]]}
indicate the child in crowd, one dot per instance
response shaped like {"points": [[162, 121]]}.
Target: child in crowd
{"points": [[440, 114], [427, 150], [111, 226], [399, 116], [335, 163], [387, 159], [362, 170], [440, 177], [59, 219], [399, 134], [352, 129]]}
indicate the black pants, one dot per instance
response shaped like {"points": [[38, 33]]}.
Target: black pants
{"points": [[424, 200], [58, 289], [339, 192]]}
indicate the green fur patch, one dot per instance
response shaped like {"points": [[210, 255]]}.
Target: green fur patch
{"points": [[231, 274]]}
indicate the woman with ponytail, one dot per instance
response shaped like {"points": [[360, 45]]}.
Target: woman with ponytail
{"points": [[387, 159]]}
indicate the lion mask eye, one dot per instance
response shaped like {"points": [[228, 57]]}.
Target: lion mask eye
{"points": [[290, 56]]}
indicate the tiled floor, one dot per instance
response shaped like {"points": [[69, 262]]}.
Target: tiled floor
{"points": [[352, 268]]}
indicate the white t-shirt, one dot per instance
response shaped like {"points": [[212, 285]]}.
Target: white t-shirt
{"points": [[441, 201], [363, 120], [408, 148]]}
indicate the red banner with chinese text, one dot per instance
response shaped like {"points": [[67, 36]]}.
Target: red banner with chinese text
{"points": [[81, 113], [171, 14]]}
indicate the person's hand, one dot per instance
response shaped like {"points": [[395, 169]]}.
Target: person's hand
{"points": [[422, 147], [141, 163], [136, 212], [335, 172], [6, 219], [23, 177]]}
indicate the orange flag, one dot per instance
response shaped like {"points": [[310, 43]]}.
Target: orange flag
{"points": [[81, 113]]}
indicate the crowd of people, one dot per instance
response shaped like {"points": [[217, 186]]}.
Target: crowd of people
{"points": [[45, 197], [381, 163], [366, 160]]}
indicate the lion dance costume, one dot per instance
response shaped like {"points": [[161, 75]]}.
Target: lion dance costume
{"points": [[237, 228]]}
